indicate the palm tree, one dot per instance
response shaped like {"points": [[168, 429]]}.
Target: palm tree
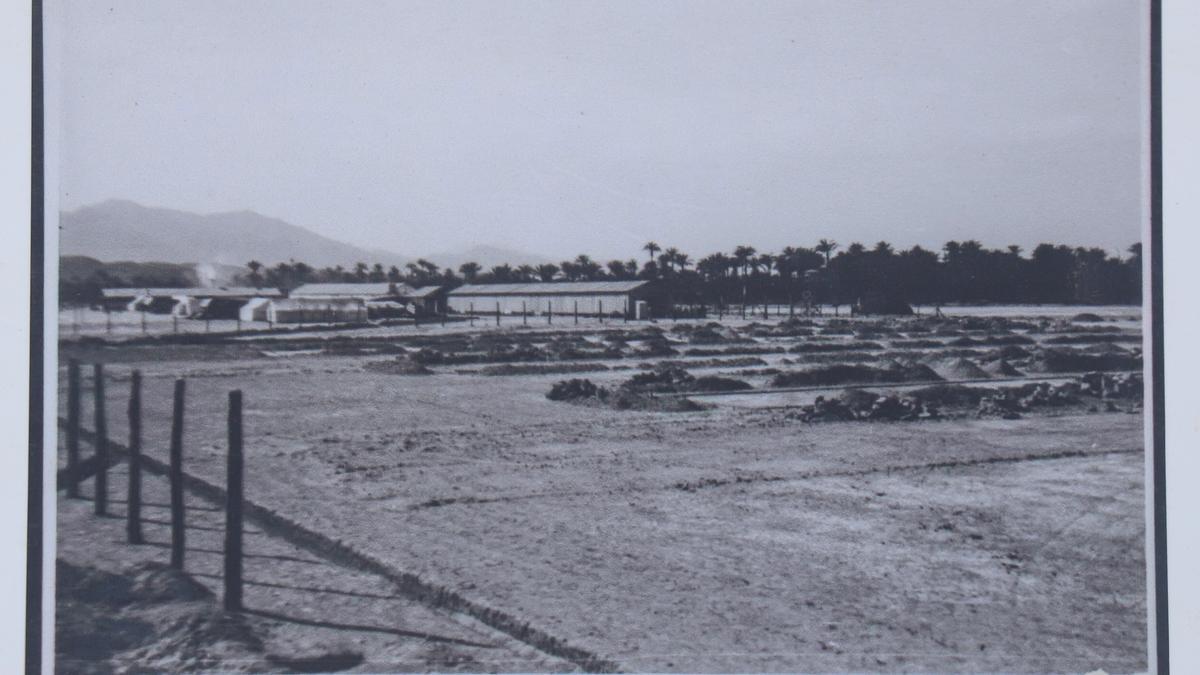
{"points": [[651, 248], [826, 248], [526, 272], [671, 257], [360, 271], [431, 269], [502, 272], [588, 269], [546, 271], [470, 270], [255, 276], [743, 254]]}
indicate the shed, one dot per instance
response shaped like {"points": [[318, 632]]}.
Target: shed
{"points": [[559, 297], [317, 310], [256, 309], [427, 299]]}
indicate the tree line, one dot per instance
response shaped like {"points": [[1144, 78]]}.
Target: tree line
{"points": [[826, 273]]}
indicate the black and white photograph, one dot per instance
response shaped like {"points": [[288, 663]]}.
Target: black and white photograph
{"points": [[517, 336]]}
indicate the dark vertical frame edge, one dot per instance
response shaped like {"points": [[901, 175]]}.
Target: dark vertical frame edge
{"points": [[37, 240], [1161, 637]]}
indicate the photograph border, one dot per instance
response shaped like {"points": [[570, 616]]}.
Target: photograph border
{"points": [[38, 530]]}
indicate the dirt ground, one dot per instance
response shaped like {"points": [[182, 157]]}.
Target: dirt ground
{"points": [[734, 538], [305, 614]]}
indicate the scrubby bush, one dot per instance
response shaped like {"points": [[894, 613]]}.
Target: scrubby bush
{"points": [[575, 389]]}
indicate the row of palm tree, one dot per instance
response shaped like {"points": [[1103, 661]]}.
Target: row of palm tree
{"points": [[961, 272]]}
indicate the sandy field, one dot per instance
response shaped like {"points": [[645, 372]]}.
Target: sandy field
{"points": [[728, 538]]}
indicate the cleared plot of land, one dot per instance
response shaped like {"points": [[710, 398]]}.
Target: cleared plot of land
{"points": [[728, 539]]}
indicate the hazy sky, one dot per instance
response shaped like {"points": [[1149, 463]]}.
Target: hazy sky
{"points": [[568, 127]]}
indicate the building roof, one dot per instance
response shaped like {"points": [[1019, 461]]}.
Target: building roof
{"points": [[216, 292], [551, 288], [363, 290], [318, 302], [423, 292]]}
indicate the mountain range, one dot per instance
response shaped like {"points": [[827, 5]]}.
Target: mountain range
{"points": [[121, 230]]}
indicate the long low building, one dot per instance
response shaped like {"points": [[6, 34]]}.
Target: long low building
{"points": [[560, 297], [181, 302]]}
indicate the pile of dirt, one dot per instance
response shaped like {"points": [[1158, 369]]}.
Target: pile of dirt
{"points": [[1086, 317], [1010, 402], [859, 404], [1105, 348], [574, 390], [398, 366], [854, 346], [427, 356], [622, 399], [992, 341], [729, 351], [710, 335], [855, 374], [586, 392], [1001, 368], [735, 362], [670, 378], [787, 328], [151, 619], [1010, 352], [1109, 386], [1065, 361], [916, 344], [716, 383], [951, 395], [541, 368], [1092, 338], [959, 369], [656, 346], [521, 352], [664, 379]]}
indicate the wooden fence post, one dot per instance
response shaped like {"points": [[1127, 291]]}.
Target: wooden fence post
{"points": [[576, 312], [73, 428], [600, 310], [143, 322], [133, 519], [233, 507], [178, 537], [107, 320], [497, 313], [101, 441], [549, 311], [524, 316]]}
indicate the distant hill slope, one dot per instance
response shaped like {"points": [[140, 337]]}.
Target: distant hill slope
{"points": [[122, 230], [80, 269]]}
